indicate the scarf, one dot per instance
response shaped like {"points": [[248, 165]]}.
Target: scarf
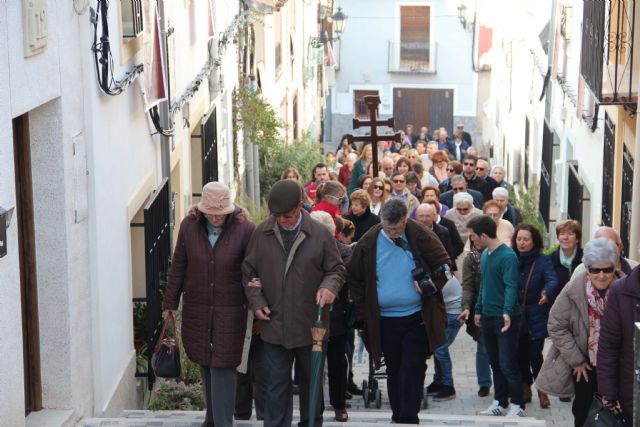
{"points": [[595, 309], [566, 261]]}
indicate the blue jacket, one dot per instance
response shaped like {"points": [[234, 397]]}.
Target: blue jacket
{"points": [[451, 147], [543, 278]]}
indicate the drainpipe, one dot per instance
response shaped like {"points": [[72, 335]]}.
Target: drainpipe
{"points": [[634, 238], [165, 141]]}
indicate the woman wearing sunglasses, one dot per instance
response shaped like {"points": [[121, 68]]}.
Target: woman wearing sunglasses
{"points": [[377, 194], [574, 328]]}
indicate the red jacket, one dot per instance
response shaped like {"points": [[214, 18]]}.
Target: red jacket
{"points": [[344, 176], [330, 209]]}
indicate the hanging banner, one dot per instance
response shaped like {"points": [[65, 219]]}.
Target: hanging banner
{"points": [[154, 78]]}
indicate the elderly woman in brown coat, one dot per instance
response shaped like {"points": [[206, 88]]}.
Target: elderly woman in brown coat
{"points": [[574, 329], [205, 271]]}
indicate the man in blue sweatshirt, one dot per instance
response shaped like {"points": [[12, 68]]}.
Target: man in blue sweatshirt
{"points": [[498, 314]]}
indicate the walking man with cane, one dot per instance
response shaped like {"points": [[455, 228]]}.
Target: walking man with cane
{"points": [[291, 267]]}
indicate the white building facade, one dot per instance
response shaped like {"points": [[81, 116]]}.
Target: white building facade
{"points": [[415, 55]]}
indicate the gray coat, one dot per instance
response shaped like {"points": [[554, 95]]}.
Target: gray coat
{"points": [[568, 329], [290, 283]]}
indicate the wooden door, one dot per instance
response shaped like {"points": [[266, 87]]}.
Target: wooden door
{"points": [[423, 107], [27, 250], [441, 110]]}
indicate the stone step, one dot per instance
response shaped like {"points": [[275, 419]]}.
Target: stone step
{"points": [[356, 419]]}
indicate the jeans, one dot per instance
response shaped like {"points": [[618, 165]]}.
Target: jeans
{"points": [[530, 358], [502, 349], [405, 348], [278, 362], [483, 370], [444, 367]]}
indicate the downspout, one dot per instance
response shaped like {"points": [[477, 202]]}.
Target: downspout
{"points": [[165, 122], [634, 238]]}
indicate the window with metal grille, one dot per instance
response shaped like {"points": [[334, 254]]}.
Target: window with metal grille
{"points": [[576, 193], [360, 107], [277, 28], [627, 194], [131, 18], [546, 170], [608, 171]]}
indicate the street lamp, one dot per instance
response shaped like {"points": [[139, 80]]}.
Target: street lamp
{"points": [[338, 20]]}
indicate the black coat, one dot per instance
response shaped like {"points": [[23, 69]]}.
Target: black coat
{"points": [[446, 198], [479, 184], [443, 235], [512, 215], [363, 223], [339, 311], [563, 274], [456, 240]]}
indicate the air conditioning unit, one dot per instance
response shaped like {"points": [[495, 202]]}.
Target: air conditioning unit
{"points": [[132, 24]]}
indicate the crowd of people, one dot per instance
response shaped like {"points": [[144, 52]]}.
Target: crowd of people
{"points": [[404, 258]]}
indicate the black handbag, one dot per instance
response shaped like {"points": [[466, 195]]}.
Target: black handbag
{"points": [[523, 325], [166, 356], [601, 415]]}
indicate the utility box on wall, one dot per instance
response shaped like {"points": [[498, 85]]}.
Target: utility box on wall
{"points": [[35, 21], [5, 220]]}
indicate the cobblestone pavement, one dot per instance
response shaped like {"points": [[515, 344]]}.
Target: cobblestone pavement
{"points": [[467, 401], [460, 411]]}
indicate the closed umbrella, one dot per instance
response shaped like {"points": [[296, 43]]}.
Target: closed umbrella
{"points": [[318, 332]]}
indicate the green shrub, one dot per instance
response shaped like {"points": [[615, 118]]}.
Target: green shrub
{"points": [[174, 395], [528, 203]]}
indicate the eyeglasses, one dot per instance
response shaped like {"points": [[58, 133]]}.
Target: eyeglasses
{"points": [[480, 169], [335, 197], [458, 189], [607, 270], [398, 181], [378, 187], [469, 164], [450, 170]]}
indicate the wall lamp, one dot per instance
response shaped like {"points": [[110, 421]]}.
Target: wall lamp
{"points": [[462, 16], [339, 20], [5, 222]]}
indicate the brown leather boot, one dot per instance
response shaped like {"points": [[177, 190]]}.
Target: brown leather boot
{"points": [[526, 393], [544, 400]]}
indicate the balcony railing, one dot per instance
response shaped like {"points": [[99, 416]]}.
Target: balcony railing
{"points": [[412, 58], [607, 63]]}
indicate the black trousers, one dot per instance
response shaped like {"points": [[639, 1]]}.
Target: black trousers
{"points": [[248, 385], [405, 348], [530, 358], [337, 368], [278, 363], [584, 395]]}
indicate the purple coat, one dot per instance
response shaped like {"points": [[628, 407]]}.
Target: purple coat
{"points": [[615, 346], [209, 281]]}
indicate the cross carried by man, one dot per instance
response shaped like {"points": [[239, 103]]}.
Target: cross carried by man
{"points": [[373, 101]]}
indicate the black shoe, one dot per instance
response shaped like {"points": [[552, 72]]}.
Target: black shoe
{"points": [[433, 389], [353, 389], [565, 399], [484, 391], [446, 392]]}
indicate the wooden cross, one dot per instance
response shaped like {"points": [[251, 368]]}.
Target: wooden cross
{"points": [[372, 102]]}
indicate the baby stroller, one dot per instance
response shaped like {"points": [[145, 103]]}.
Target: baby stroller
{"points": [[370, 390]]}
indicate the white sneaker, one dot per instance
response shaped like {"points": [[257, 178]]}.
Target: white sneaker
{"points": [[515, 411], [494, 410]]}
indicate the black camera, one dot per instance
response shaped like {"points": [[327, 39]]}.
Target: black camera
{"points": [[423, 278]]}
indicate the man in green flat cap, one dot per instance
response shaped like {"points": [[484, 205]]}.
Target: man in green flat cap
{"points": [[291, 266]]}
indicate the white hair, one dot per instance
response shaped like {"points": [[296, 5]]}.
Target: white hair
{"points": [[462, 198], [352, 156], [600, 250], [500, 192], [325, 219]]}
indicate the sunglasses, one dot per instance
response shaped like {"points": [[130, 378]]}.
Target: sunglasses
{"points": [[481, 169], [457, 189], [469, 164], [335, 197], [378, 187], [450, 170], [397, 181], [607, 270]]}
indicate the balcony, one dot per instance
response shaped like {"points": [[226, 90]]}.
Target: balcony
{"points": [[607, 65], [412, 58]]}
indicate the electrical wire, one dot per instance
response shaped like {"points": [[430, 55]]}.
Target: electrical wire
{"points": [[103, 58]]}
